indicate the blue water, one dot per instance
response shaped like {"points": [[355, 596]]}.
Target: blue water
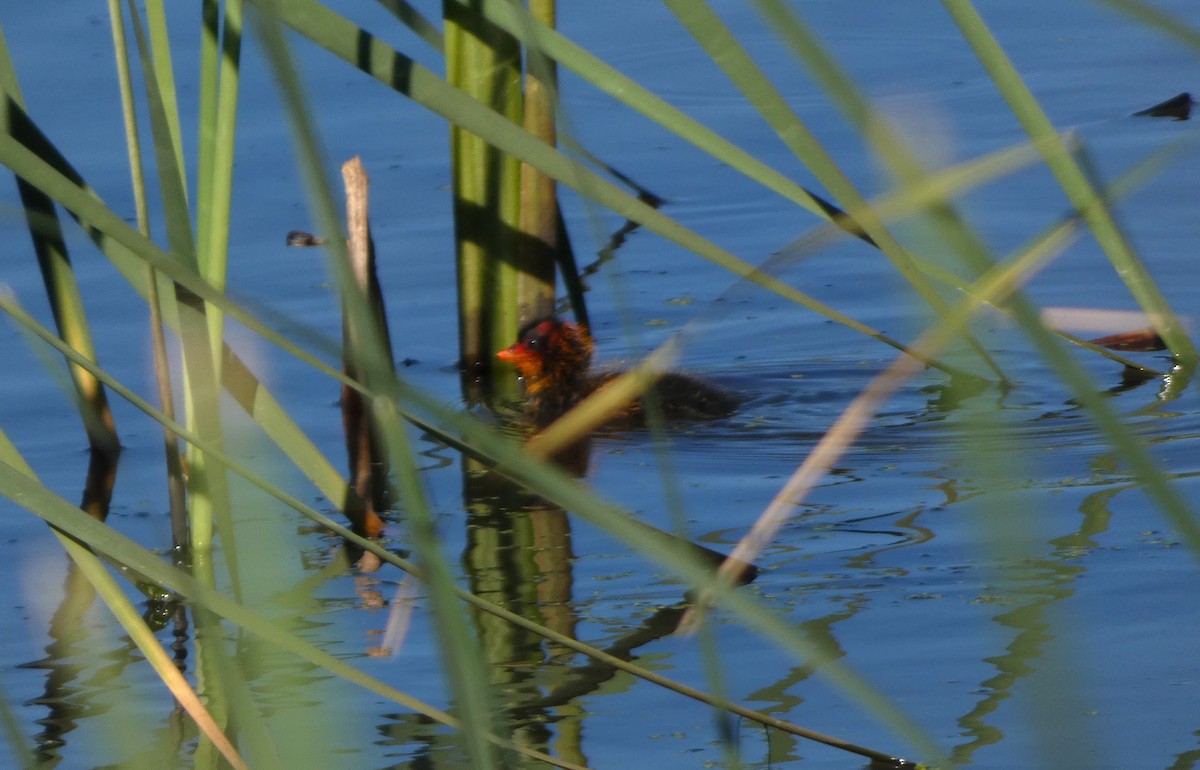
{"points": [[1024, 602]]}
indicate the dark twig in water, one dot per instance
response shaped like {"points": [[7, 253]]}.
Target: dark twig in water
{"points": [[617, 239], [1178, 107], [301, 238]]}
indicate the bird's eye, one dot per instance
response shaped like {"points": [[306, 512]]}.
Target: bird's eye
{"points": [[533, 343]]}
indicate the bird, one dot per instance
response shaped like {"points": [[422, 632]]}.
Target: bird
{"points": [[554, 358]]}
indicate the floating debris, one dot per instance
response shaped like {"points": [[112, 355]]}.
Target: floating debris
{"points": [[1177, 107], [301, 238], [1142, 340]]}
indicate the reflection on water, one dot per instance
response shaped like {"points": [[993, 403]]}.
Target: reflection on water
{"points": [[84, 672], [1002, 614], [519, 555], [848, 564]]}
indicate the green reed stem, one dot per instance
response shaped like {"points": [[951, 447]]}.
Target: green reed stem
{"points": [[220, 61], [208, 488], [463, 663], [484, 63], [539, 215], [176, 484]]}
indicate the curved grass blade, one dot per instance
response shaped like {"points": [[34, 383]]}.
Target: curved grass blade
{"points": [[1073, 179], [462, 662], [518, 22], [855, 418], [356, 46], [127, 615], [30, 495], [724, 49], [129, 618], [130, 252], [476, 435], [892, 149]]}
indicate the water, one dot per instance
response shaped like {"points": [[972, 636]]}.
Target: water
{"points": [[1047, 620]]}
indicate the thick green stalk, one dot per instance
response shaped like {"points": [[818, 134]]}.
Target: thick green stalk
{"points": [[220, 59], [162, 371], [539, 196], [485, 63], [462, 659], [208, 486]]}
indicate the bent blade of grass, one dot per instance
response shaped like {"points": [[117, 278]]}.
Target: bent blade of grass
{"points": [[725, 50], [484, 444], [1073, 179], [889, 146], [517, 21], [28, 494], [1001, 295], [892, 149], [358, 47], [129, 618], [854, 419], [130, 252], [540, 37], [209, 495], [464, 667]]}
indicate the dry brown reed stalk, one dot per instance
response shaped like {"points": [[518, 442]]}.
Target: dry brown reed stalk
{"points": [[368, 462]]}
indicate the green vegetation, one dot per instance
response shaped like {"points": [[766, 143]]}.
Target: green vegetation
{"points": [[498, 100]]}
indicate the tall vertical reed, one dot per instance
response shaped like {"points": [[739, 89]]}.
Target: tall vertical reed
{"points": [[540, 217], [485, 62]]}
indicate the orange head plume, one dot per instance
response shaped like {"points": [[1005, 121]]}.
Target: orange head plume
{"points": [[549, 351]]}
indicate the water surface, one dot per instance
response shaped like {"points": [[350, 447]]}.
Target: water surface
{"points": [[1024, 602]]}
